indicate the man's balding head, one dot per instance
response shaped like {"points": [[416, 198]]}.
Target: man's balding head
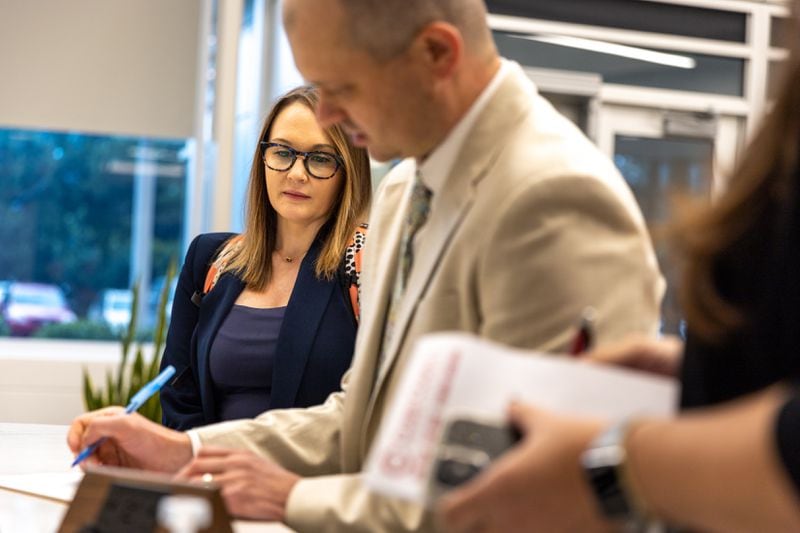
{"points": [[395, 74], [384, 28]]}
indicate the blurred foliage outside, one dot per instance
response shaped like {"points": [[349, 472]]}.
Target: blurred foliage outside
{"points": [[95, 330], [81, 329], [66, 202]]}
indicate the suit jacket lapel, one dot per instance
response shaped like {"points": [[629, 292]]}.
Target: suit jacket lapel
{"points": [[214, 307], [445, 216], [307, 305], [377, 282], [481, 147], [377, 285]]}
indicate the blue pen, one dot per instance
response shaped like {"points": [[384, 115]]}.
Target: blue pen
{"points": [[136, 402]]}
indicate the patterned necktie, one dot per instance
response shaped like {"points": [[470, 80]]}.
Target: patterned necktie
{"points": [[417, 215], [418, 210]]}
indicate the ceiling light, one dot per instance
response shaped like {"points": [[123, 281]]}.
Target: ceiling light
{"points": [[602, 47]]}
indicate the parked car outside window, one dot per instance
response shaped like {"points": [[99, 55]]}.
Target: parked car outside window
{"points": [[28, 306], [114, 308]]}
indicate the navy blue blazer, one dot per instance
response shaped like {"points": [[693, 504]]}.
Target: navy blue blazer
{"points": [[314, 348]]}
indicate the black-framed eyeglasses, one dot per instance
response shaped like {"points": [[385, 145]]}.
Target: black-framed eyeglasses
{"points": [[321, 165]]}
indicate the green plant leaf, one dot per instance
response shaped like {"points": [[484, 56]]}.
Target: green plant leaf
{"points": [[130, 334], [135, 379], [152, 409], [88, 391], [111, 397], [160, 332], [132, 376]]}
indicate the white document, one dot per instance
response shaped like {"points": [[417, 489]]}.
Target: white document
{"points": [[456, 374], [59, 486]]}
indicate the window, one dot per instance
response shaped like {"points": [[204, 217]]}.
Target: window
{"points": [[83, 215], [780, 31], [710, 74], [635, 15], [776, 70], [658, 171]]}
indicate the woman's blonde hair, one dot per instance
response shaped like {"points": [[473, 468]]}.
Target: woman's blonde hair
{"points": [[252, 261]]}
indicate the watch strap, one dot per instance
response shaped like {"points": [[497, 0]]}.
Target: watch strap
{"points": [[605, 463]]}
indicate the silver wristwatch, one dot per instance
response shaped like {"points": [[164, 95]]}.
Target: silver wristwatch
{"points": [[604, 464]]}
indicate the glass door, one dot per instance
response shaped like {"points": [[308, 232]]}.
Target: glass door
{"points": [[660, 170], [664, 157]]}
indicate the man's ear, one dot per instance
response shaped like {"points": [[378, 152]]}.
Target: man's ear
{"points": [[440, 47]]}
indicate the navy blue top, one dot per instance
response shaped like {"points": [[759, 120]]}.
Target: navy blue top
{"points": [[242, 359]]}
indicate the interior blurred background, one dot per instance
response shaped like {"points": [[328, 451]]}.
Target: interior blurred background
{"points": [[126, 128]]}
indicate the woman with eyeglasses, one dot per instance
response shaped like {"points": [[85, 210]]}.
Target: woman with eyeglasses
{"points": [[267, 319]]}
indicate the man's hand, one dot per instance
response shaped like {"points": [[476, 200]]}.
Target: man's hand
{"points": [[537, 486], [131, 441], [657, 356], [252, 486]]}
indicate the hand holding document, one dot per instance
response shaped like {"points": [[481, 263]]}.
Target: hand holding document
{"points": [[459, 376]]}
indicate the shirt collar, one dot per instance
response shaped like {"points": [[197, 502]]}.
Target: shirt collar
{"points": [[437, 166]]}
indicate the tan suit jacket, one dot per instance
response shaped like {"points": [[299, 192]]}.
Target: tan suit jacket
{"points": [[535, 225]]}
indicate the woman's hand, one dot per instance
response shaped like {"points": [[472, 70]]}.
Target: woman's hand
{"points": [[537, 486], [131, 441], [657, 356], [252, 486]]}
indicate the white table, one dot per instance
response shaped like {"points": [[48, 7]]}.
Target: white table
{"points": [[38, 448], [31, 448]]}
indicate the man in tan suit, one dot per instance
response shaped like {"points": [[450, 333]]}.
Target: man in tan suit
{"points": [[503, 221]]}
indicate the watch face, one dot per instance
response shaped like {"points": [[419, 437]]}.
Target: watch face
{"points": [[606, 484]]}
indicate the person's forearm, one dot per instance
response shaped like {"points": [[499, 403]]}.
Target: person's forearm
{"points": [[176, 451], [290, 437], [716, 469]]}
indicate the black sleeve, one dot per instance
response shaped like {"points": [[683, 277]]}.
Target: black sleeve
{"points": [[787, 428], [180, 398]]}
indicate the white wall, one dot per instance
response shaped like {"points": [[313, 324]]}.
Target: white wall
{"points": [[40, 382], [99, 66]]}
